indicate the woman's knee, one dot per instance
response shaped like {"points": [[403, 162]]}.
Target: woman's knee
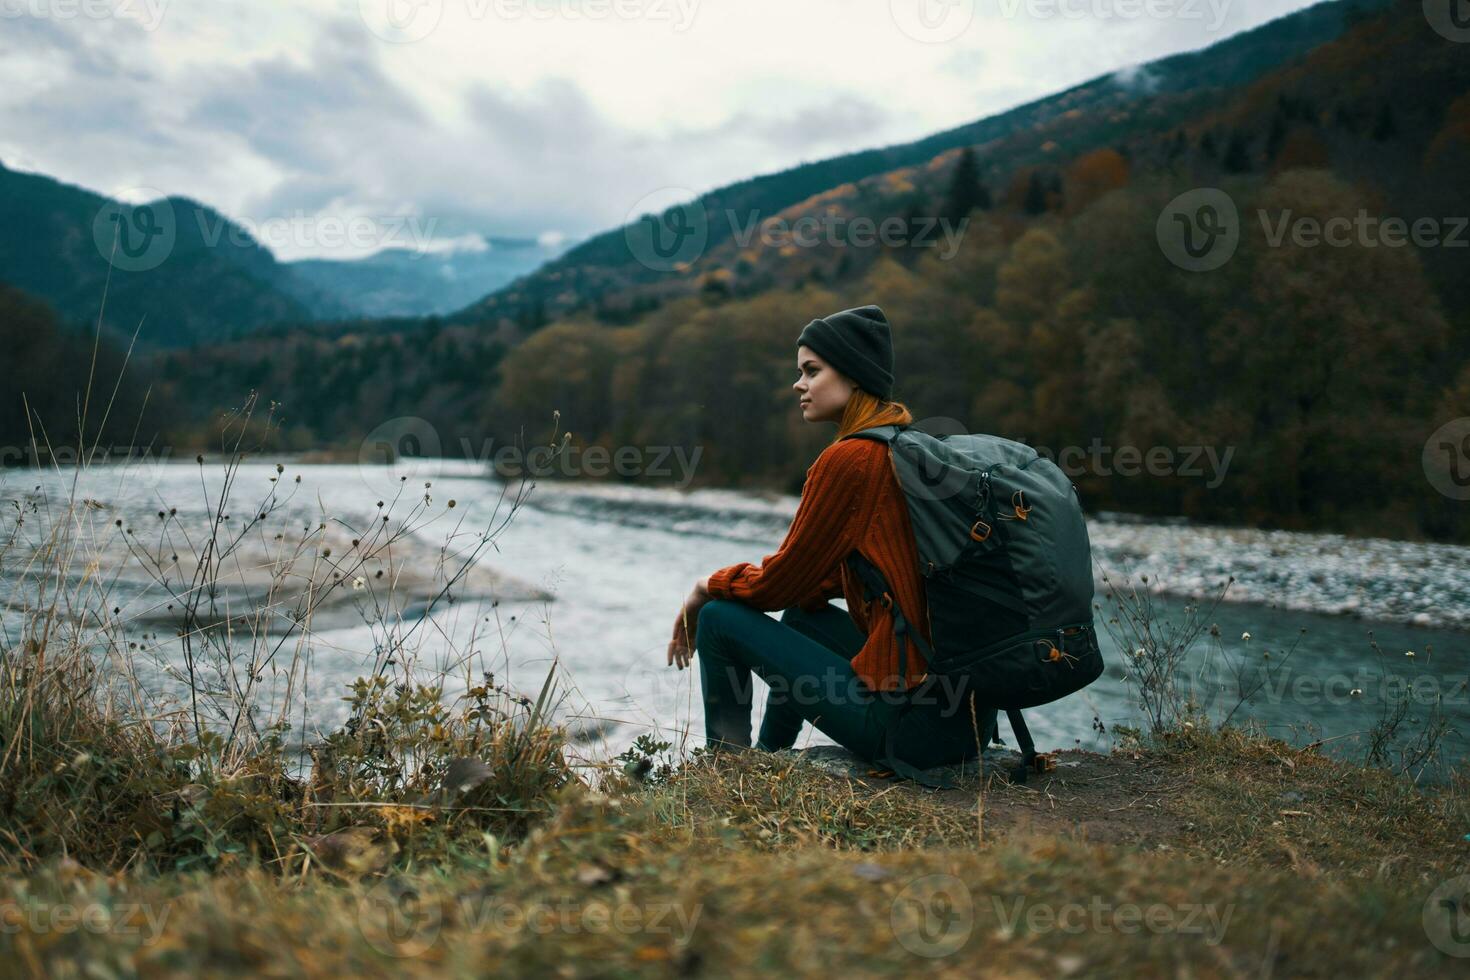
{"points": [[716, 617], [795, 616]]}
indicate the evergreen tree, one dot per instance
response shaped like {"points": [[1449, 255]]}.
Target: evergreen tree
{"points": [[1237, 155], [965, 190], [1035, 202], [1276, 136], [1386, 127]]}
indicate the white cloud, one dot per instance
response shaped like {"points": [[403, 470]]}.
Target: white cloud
{"points": [[547, 117]]}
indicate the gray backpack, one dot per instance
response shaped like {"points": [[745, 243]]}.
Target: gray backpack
{"points": [[1007, 568]]}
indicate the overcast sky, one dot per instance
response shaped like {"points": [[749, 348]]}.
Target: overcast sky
{"points": [[451, 118]]}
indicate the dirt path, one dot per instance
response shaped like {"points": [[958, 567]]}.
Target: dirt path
{"points": [[1112, 799]]}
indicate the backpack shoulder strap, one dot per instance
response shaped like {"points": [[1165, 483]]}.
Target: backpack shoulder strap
{"points": [[1024, 742], [875, 586], [878, 433], [901, 768]]}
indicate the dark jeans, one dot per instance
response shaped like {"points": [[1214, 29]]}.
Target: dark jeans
{"points": [[804, 660]]}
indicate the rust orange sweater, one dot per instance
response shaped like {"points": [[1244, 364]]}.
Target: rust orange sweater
{"points": [[850, 500]]}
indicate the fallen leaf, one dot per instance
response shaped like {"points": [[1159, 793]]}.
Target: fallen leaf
{"points": [[354, 849], [596, 874], [464, 774]]}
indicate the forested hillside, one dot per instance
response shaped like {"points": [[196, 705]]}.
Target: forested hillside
{"points": [[1312, 372], [182, 269], [605, 275]]}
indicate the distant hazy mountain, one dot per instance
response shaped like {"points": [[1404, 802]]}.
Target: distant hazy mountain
{"points": [[191, 276], [182, 269], [404, 282]]}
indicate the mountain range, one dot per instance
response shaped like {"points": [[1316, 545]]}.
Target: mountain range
{"points": [[184, 274]]}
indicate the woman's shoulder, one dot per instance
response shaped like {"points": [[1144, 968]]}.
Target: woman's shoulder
{"points": [[852, 456]]}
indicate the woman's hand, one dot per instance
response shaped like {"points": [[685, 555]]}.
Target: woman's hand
{"points": [[686, 626]]}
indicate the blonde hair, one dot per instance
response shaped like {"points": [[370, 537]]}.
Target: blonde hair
{"points": [[866, 410]]}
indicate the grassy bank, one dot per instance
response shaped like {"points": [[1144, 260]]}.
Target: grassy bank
{"points": [[447, 823], [1210, 854]]}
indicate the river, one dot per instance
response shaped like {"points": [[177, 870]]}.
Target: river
{"points": [[591, 576]]}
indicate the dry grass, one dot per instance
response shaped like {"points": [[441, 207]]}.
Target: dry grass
{"points": [[444, 830], [668, 880]]}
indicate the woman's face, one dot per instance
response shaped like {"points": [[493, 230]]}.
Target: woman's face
{"points": [[823, 390]]}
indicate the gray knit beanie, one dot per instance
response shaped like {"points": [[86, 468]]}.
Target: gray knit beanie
{"points": [[858, 343]]}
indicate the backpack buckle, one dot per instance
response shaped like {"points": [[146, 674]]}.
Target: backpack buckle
{"points": [[1073, 631], [1055, 652], [977, 533]]}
